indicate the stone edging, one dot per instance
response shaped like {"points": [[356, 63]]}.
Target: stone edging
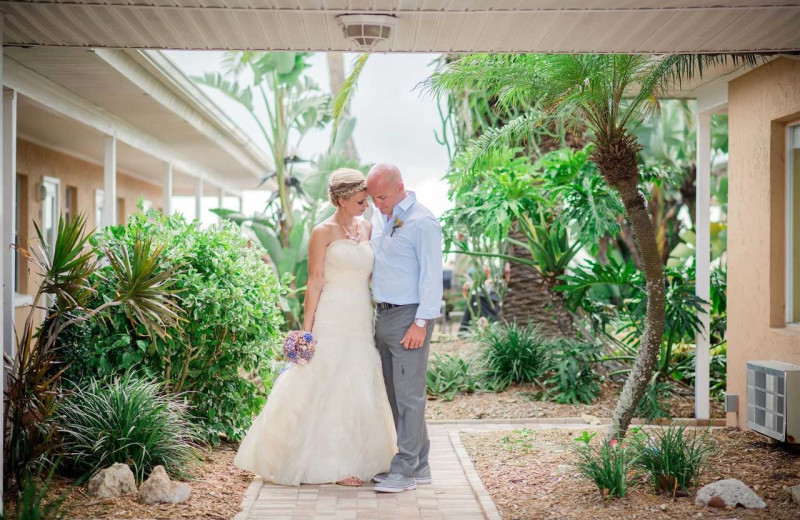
{"points": [[481, 495], [249, 499], [578, 420]]}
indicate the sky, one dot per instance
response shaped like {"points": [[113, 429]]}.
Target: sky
{"points": [[395, 122]]}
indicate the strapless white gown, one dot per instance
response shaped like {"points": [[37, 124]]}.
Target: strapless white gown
{"points": [[329, 419]]}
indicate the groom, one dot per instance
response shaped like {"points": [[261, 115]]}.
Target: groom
{"points": [[407, 286]]}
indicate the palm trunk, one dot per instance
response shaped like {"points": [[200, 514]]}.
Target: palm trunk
{"points": [[616, 161]]}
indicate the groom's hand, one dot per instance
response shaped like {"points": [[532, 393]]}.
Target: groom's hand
{"points": [[414, 338]]}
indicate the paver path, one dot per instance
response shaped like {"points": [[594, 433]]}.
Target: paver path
{"points": [[456, 492]]}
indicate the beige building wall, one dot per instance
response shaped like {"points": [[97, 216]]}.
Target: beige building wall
{"points": [[34, 162], [761, 104]]}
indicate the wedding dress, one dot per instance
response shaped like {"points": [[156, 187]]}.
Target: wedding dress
{"points": [[329, 419]]}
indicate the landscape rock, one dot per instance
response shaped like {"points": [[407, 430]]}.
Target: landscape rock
{"points": [[590, 419], [733, 492], [111, 482], [159, 488], [794, 492]]}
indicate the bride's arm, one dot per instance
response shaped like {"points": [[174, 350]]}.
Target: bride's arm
{"points": [[316, 260]]}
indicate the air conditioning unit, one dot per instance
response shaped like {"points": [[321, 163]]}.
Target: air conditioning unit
{"points": [[773, 400]]}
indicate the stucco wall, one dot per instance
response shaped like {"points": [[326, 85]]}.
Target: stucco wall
{"points": [[34, 162], [760, 105]]}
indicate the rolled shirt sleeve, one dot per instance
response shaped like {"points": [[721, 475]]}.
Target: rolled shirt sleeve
{"points": [[429, 255]]}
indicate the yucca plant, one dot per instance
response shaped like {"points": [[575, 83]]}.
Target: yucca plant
{"points": [[608, 465], [126, 420], [672, 457], [513, 353], [34, 372], [608, 95]]}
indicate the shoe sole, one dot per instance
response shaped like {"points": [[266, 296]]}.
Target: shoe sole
{"points": [[387, 489], [417, 480]]}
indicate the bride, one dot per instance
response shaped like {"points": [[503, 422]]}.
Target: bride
{"points": [[330, 420]]}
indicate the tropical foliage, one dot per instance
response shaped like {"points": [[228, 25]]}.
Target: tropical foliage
{"points": [[230, 299], [70, 273], [610, 95]]}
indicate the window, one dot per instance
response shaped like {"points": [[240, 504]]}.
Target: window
{"points": [[71, 203], [51, 208], [99, 196], [793, 225]]}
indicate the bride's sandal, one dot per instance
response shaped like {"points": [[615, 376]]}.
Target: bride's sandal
{"points": [[351, 482]]}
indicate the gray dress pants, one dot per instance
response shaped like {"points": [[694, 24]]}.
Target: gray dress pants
{"points": [[405, 376]]}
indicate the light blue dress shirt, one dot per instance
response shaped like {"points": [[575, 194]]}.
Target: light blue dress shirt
{"points": [[408, 260]]}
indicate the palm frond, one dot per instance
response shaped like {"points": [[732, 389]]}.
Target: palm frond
{"points": [[243, 96], [509, 134], [341, 105]]}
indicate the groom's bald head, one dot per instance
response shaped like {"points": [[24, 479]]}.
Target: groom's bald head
{"points": [[385, 186]]}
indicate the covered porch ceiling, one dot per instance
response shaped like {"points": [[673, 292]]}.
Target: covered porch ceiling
{"points": [[542, 26]]}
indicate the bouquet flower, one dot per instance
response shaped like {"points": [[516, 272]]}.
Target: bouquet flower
{"points": [[298, 347]]}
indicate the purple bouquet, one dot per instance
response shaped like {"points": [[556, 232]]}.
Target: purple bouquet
{"points": [[298, 347]]}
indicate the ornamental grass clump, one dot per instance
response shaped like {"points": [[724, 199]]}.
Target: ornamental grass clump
{"points": [[673, 458], [609, 465], [126, 420], [514, 353]]}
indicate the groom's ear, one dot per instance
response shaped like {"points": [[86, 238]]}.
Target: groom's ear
{"points": [[401, 186]]}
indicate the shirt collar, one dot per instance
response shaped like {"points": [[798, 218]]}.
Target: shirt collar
{"points": [[404, 204]]}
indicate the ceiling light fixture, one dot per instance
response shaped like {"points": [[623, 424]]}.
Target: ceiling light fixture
{"points": [[367, 30]]}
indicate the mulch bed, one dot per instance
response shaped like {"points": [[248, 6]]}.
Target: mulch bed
{"points": [[525, 401], [217, 491], [529, 475]]}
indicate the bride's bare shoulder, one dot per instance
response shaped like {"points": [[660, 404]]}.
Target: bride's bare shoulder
{"points": [[367, 226], [324, 231]]}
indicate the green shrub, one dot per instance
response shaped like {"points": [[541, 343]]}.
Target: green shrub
{"points": [[513, 353], [231, 301], [574, 380], [126, 420], [609, 465], [673, 459], [449, 375]]}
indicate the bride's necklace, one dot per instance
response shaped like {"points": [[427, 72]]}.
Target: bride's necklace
{"points": [[355, 238]]}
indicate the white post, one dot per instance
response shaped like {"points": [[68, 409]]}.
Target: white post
{"points": [[220, 202], [703, 264], [241, 204], [3, 260], [110, 182], [198, 199], [167, 190], [9, 137]]}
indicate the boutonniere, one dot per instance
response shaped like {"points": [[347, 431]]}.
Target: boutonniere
{"points": [[397, 224]]}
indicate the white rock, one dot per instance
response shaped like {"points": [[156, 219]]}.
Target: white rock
{"points": [[159, 488], [590, 419], [794, 491], [112, 482], [732, 492]]}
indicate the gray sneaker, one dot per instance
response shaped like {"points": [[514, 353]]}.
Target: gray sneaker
{"points": [[422, 476], [395, 483]]}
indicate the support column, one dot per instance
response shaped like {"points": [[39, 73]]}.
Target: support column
{"points": [[220, 202], [198, 199], [110, 182], [167, 190], [703, 264], [3, 260], [9, 137]]}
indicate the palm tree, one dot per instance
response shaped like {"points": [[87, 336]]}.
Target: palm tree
{"points": [[610, 95]]}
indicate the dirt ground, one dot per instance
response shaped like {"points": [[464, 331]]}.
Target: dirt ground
{"points": [[217, 491], [529, 475]]}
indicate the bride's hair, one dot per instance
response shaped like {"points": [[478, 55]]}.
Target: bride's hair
{"points": [[344, 183]]}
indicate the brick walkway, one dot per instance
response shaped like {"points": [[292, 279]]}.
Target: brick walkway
{"points": [[456, 492]]}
